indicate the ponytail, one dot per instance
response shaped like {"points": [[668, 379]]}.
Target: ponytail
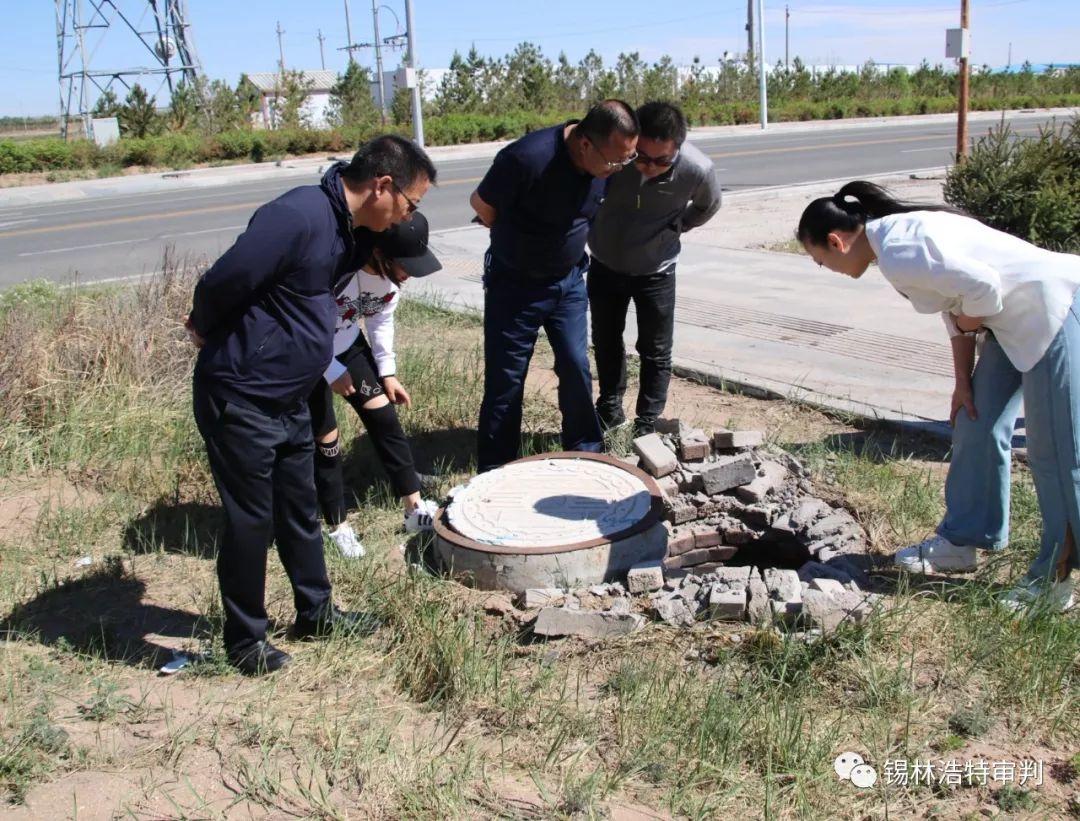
{"points": [[850, 208]]}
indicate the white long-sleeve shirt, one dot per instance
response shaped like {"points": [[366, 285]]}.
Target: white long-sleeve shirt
{"points": [[372, 299], [956, 265]]}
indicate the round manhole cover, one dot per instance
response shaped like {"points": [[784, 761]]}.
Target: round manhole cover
{"points": [[549, 502], [549, 520]]}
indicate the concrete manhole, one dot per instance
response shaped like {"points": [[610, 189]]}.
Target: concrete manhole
{"points": [[552, 520]]}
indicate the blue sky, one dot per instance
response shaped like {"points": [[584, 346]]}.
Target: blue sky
{"points": [[232, 37]]}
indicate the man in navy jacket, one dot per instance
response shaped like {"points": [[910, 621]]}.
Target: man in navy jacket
{"points": [[538, 198], [263, 319]]}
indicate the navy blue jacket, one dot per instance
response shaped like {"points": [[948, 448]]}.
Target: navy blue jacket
{"points": [[266, 307], [543, 207]]}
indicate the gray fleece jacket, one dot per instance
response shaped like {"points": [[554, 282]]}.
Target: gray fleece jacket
{"points": [[639, 224]]}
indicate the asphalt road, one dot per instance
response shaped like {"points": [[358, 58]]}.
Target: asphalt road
{"points": [[126, 235]]}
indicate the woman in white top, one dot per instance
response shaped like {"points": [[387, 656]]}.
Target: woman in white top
{"points": [[363, 371], [981, 279]]}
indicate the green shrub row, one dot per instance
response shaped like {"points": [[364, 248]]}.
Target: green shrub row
{"points": [[178, 150], [1030, 188]]}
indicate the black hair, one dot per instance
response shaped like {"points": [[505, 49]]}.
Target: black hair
{"points": [[609, 117], [390, 155], [662, 121], [850, 208]]}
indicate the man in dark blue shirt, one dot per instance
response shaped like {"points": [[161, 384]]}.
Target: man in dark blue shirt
{"points": [[538, 198], [263, 319]]}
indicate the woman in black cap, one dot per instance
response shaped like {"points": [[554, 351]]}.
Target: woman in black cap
{"points": [[363, 372]]}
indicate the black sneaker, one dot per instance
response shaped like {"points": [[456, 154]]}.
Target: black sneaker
{"points": [[332, 620], [643, 427], [258, 659]]}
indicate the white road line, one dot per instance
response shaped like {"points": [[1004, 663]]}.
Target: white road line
{"points": [[932, 148], [84, 247], [15, 222], [203, 231]]}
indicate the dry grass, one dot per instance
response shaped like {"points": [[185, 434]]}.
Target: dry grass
{"points": [[449, 710]]}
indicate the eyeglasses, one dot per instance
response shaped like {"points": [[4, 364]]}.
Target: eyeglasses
{"points": [[659, 162], [617, 163], [413, 206]]}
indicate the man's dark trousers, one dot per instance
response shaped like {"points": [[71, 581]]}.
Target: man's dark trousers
{"points": [[514, 312], [263, 468], [653, 295]]}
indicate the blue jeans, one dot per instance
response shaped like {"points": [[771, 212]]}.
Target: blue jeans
{"points": [[1052, 406], [514, 312], [978, 482]]}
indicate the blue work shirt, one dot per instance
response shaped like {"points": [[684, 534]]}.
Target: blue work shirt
{"points": [[543, 207]]}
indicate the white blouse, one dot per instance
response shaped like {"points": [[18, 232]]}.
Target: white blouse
{"points": [[373, 299], [956, 265]]}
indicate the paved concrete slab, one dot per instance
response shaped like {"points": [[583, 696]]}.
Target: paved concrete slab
{"points": [[774, 322]]}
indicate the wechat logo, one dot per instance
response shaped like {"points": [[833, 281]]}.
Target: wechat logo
{"points": [[851, 767]]}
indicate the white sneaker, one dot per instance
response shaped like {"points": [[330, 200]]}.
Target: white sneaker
{"points": [[346, 541], [935, 555], [422, 517], [1057, 597]]}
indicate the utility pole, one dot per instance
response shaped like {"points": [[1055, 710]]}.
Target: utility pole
{"points": [[961, 119], [410, 57], [378, 60], [749, 33], [787, 39], [281, 48], [322, 57], [348, 33], [1009, 64], [762, 92]]}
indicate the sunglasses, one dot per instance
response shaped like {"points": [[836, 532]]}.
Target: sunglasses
{"points": [[659, 162], [413, 206]]}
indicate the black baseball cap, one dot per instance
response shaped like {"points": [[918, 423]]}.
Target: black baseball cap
{"points": [[407, 244]]}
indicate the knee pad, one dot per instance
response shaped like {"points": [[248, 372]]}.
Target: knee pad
{"points": [[326, 452]]}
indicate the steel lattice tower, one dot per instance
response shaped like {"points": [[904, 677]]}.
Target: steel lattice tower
{"points": [[91, 32]]}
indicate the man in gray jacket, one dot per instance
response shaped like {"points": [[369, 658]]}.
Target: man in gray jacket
{"points": [[635, 243]]}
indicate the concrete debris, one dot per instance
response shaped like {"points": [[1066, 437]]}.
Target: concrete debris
{"points": [[700, 556], [830, 587], [731, 439], [727, 472], [694, 445], [673, 610], [783, 585], [645, 577], [591, 624], [656, 457], [769, 477], [668, 486], [728, 604], [758, 610], [541, 597]]}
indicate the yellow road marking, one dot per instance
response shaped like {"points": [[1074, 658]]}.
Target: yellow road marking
{"points": [[167, 215], [121, 220]]}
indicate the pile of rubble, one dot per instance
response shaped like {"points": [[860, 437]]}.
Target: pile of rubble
{"points": [[738, 513]]}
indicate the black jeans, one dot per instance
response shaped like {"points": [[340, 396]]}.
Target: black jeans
{"points": [[262, 466], [610, 294]]}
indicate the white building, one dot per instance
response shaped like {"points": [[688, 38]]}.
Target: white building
{"points": [[315, 106]]}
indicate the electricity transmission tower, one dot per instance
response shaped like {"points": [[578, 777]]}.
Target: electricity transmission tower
{"points": [[98, 43]]}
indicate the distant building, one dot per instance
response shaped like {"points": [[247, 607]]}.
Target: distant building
{"points": [[318, 101], [316, 105]]}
